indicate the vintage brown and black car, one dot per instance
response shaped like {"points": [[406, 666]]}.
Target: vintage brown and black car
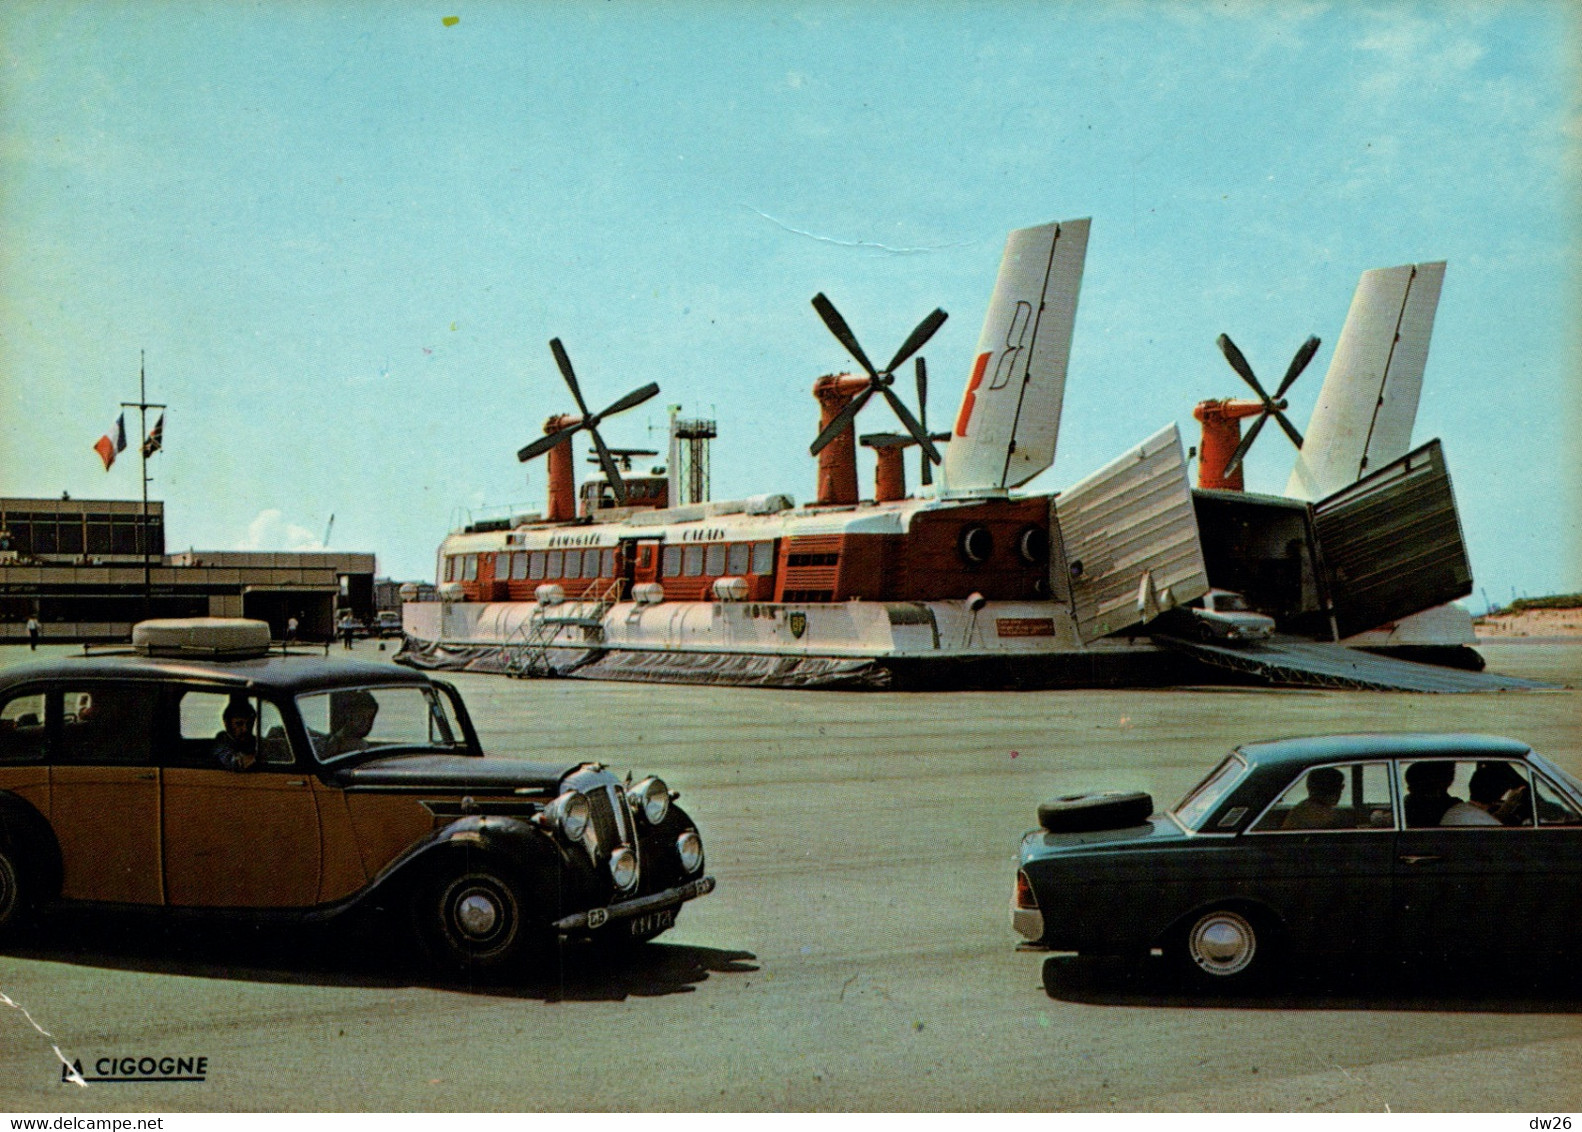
{"points": [[1429, 848], [203, 772]]}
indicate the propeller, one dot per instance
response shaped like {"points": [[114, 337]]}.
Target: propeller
{"points": [[589, 421], [879, 381], [896, 440], [1272, 406]]}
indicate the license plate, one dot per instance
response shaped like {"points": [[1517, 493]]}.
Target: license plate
{"points": [[653, 922]]}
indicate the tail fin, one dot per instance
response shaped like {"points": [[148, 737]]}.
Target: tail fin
{"points": [[1010, 416], [1365, 412]]}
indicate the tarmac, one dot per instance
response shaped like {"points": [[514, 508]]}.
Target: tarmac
{"points": [[857, 954]]}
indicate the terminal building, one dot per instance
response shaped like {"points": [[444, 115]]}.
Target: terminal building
{"points": [[90, 569]]}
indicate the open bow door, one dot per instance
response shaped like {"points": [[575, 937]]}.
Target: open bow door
{"points": [[1130, 541], [1391, 543]]}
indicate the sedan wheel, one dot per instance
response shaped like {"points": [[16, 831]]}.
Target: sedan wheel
{"points": [[473, 920], [1224, 948], [12, 906]]}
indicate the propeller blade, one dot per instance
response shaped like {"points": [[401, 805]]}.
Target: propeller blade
{"points": [[927, 475], [1290, 429], [841, 422], [545, 443], [1298, 364], [911, 424], [611, 470], [837, 327], [566, 372], [1239, 364], [921, 333], [1245, 446], [636, 397]]}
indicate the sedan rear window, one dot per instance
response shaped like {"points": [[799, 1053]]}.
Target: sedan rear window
{"points": [[351, 721], [1204, 798]]}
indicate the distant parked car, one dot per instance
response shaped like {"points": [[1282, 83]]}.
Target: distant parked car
{"points": [[1226, 616], [1428, 847], [389, 623], [209, 774]]}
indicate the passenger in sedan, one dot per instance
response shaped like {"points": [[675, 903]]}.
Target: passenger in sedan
{"points": [[352, 718], [236, 747], [1497, 795], [1317, 810], [1428, 792]]}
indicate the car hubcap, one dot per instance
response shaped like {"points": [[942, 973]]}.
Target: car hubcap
{"points": [[1223, 943], [477, 914]]}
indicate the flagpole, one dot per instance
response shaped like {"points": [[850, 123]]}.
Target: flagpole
{"points": [[142, 406]]}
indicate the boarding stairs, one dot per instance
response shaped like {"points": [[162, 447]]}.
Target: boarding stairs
{"points": [[526, 654]]}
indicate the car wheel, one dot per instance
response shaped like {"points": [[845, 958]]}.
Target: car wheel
{"points": [[475, 920], [13, 893], [1079, 813], [1225, 947]]}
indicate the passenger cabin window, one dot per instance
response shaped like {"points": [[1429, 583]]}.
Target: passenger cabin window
{"points": [[208, 722], [519, 566], [607, 562], [740, 553], [1466, 793], [107, 723], [469, 568], [450, 567], [502, 566], [1554, 808], [763, 558], [714, 560], [692, 561], [535, 566], [1349, 796], [672, 562], [555, 566], [22, 728]]}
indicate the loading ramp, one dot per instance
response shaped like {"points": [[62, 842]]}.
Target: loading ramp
{"points": [[1324, 664]]}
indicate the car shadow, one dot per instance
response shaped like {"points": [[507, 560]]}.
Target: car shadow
{"points": [[363, 955], [1385, 985]]}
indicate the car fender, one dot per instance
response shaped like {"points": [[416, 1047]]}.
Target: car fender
{"points": [[1253, 908], [514, 843], [26, 833]]}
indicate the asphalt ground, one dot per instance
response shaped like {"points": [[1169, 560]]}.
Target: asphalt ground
{"points": [[857, 954]]}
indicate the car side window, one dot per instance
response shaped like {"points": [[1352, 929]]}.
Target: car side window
{"points": [[22, 728], [1554, 808], [1349, 796], [1466, 794], [107, 723], [212, 724]]}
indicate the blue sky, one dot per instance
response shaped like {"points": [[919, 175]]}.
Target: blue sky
{"points": [[344, 233]]}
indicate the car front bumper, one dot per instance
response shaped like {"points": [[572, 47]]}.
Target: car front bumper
{"points": [[595, 918]]}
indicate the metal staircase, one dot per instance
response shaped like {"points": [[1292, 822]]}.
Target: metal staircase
{"points": [[526, 654]]}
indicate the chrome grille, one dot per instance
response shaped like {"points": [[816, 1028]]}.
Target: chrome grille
{"points": [[606, 832]]}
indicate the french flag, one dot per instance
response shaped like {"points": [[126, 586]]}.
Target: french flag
{"points": [[112, 442]]}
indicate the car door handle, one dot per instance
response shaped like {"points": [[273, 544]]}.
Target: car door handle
{"points": [[1421, 858], [149, 777], [296, 782]]}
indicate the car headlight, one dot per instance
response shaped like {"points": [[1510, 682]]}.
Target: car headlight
{"points": [[570, 814], [623, 868], [652, 797], [689, 847]]}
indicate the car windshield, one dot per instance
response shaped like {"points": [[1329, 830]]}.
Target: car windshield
{"points": [[353, 722], [1230, 603], [1204, 798]]}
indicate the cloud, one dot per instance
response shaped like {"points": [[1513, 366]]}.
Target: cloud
{"points": [[269, 530]]}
